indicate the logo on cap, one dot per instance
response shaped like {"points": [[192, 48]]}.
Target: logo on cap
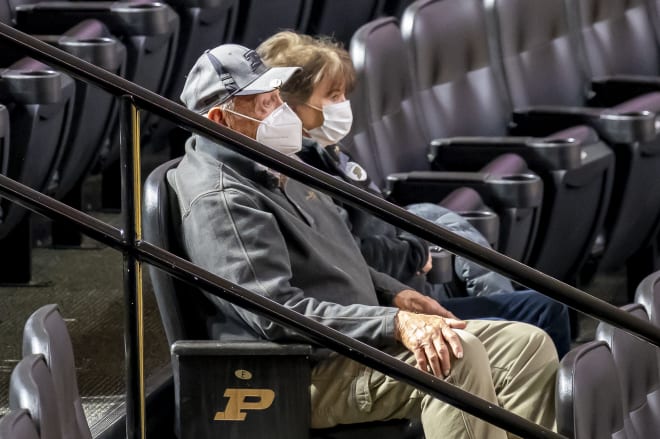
{"points": [[255, 61]]}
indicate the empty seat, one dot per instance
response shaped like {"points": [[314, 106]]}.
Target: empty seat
{"points": [[40, 103], [46, 333], [257, 20], [17, 424], [31, 388], [637, 365], [548, 87], [204, 25], [148, 30], [617, 37], [588, 398], [388, 141], [330, 17], [648, 295], [460, 93]]}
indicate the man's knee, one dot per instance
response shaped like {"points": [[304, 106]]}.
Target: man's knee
{"points": [[537, 342], [474, 363]]}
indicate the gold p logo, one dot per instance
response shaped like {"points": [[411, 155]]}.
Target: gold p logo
{"points": [[261, 399]]}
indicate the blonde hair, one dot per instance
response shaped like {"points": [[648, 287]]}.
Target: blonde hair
{"points": [[319, 57]]}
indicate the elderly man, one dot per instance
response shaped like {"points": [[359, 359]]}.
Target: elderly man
{"points": [[286, 241]]}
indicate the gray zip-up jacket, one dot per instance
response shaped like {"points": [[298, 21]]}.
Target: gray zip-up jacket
{"points": [[284, 241]]}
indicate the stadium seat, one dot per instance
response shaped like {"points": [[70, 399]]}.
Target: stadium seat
{"points": [[617, 37], [395, 8], [637, 365], [149, 30], [619, 47], [46, 333], [389, 140], [330, 17], [589, 401], [459, 94], [31, 388], [258, 20], [549, 90], [40, 103], [204, 25], [17, 424], [648, 295], [188, 315]]}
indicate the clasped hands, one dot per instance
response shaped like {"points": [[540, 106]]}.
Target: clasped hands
{"points": [[427, 330]]}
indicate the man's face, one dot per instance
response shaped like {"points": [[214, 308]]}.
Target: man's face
{"points": [[255, 106]]}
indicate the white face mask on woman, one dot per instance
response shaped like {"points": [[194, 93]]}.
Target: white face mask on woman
{"points": [[337, 122], [280, 130]]}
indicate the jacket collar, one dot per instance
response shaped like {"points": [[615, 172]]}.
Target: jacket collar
{"points": [[244, 166]]}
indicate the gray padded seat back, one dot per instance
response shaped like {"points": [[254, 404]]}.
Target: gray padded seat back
{"points": [[588, 396], [46, 333], [384, 113], [330, 17], [618, 36], [184, 310], [457, 89], [648, 295], [259, 19], [637, 365], [31, 388], [538, 52], [17, 424]]}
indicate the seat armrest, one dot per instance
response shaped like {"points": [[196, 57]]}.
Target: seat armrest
{"points": [[548, 154], [28, 87], [442, 268], [515, 190], [609, 91], [612, 126]]}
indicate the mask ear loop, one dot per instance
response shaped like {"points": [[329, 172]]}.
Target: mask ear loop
{"points": [[243, 115]]}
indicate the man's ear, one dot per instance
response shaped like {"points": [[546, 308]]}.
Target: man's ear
{"points": [[217, 115]]}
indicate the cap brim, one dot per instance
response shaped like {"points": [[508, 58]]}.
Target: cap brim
{"points": [[273, 79]]}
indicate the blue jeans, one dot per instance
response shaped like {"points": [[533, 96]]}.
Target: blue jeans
{"points": [[526, 306]]}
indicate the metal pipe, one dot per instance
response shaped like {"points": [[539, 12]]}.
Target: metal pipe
{"points": [[129, 144]]}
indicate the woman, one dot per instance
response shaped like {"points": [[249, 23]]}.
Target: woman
{"points": [[317, 94]]}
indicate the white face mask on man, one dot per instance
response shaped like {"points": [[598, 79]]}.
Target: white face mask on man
{"points": [[337, 122], [280, 130]]}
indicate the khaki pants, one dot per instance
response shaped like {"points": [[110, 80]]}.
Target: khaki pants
{"points": [[510, 364]]}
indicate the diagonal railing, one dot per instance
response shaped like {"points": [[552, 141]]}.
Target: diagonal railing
{"points": [[135, 250]]}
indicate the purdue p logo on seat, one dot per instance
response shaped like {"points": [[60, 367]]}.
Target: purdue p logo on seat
{"points": [[242, 400]]}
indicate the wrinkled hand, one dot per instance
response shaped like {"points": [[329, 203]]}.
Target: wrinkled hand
{"points": [[413, 301], [430, 339]]}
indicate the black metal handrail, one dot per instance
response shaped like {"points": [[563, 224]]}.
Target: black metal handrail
{"points": [[337, 188]]}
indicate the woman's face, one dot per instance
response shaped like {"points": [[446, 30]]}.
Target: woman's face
{"points": [[325, 93]]}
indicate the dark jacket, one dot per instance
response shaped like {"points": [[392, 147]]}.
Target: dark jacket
{"points": [[392, 251], [385, 248], [284, 241]]}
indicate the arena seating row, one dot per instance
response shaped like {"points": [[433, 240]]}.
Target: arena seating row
{"points": [[524, 69], [75, 130], [606, 388], [615, 376]]}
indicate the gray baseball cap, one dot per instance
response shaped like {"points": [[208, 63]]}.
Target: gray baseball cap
{"points": [[230, 70]]}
